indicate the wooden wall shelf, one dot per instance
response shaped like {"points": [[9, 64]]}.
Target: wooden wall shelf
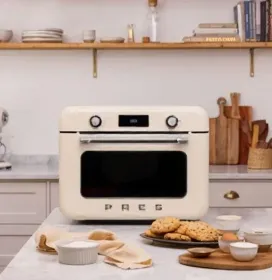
{"points": [[139, 46]]}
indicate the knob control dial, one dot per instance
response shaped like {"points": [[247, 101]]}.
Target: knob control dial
{"points": [[172, 121], [95, 121]]}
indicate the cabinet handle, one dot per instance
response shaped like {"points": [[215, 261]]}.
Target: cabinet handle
{"points": [[231, 195]]}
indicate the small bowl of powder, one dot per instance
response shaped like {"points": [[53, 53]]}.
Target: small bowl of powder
{"points": [[77, 251]]}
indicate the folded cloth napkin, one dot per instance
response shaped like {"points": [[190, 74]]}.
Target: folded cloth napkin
{"points": [[116, 252]]}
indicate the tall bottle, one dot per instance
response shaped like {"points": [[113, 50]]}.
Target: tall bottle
{"points": [[153, 21]]}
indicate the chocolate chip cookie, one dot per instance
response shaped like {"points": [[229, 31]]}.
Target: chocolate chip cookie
{"points": [[183, 227], [165, 225], [149, 233], [177, 236], [202, 231]]}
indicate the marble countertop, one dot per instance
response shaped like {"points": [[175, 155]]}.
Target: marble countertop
{"points": [[46, 168], [29, 264]]}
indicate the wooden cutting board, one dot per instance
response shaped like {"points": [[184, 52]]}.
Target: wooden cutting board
{"points": [[233, 129], [220, 260], [246, 113], [233, 141], [219, 135]]}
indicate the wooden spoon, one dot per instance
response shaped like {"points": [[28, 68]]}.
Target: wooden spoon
{"points": [[255, 137], [263, 128]]}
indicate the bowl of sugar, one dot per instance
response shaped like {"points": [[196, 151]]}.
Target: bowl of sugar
{"points": [[77, 251], [243, 251]]}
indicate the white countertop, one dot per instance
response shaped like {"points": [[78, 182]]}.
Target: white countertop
{"points": [[29, 264], [26, 171]]}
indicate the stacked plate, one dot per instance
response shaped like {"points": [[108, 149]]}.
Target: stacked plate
{"points": [[48, 35]]}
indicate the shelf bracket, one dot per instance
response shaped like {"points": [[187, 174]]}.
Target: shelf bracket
{"points": [[95, 63], [251, 62]]}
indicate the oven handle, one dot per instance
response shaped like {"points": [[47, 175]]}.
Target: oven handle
{"points": [[136, 138]]}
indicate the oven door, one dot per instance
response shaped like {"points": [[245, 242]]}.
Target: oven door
{"points": [[136, 176]]}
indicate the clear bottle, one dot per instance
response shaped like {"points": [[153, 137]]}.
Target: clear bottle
{"points": [[153, 18]]}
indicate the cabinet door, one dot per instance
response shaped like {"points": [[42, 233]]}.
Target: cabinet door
{"points": [[250, 193], [12, 239], [22, 203], [54, 196]]}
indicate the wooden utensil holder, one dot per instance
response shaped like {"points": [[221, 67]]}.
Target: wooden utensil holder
{"points": [[259, 158]]}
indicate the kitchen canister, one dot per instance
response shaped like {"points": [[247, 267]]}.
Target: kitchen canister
{"points": [[259, 158]]}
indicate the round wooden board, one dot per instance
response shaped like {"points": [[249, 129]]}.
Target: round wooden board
{"points": [[220, 260]]}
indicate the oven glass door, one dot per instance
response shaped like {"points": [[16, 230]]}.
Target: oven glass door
{"points": [[133, 173]]}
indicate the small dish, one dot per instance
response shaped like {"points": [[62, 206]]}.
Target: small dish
{"points": [[243, 251], [200, 252], [5, 35], [112, 40], [224, 245], [77, 251], [229, 223], [261, 237]]}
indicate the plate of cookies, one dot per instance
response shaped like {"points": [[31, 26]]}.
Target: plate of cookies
{"points": [[172, 231]]}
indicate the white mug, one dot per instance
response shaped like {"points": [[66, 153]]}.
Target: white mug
{"points": [[89, 35]]}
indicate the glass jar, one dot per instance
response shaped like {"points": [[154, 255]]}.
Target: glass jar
{"points": [[152, 28]]}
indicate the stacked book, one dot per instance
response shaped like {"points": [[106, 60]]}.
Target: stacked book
{"points": [[266, 20], [245, 18], [214, 32]]}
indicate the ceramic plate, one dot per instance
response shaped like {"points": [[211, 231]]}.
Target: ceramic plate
{"points": [[37, 33], [34, 35], [50, 30], [58, 30], [184, 244], [42, 40]]}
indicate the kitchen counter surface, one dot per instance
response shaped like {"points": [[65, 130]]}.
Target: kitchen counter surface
{"points": [[48, 170], [29, 264]]}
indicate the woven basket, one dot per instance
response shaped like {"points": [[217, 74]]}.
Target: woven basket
{"points": [[259, 159]]}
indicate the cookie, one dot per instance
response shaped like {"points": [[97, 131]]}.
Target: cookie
{"points": [[176, 236], [149, 233], [165, 225], [183, 227], [202, 231]]}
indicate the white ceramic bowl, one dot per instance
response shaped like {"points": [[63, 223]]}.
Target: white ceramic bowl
{"points": [[5, 35], [243, 251], [229, 223], [224, 245], [260, 236], [73, 252]]}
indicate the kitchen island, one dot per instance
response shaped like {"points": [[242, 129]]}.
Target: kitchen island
{"points": [[29, 264]]}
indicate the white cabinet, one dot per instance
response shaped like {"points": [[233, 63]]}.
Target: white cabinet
{"points": [[54, 195], [250, 193], [23, 207], [12, 239], [22, 203]]}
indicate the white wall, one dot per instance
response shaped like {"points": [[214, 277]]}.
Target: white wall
{"points": [[36, 85]]}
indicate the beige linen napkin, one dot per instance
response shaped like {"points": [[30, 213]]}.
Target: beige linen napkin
{"points": [[116, 252], [125, 256]]}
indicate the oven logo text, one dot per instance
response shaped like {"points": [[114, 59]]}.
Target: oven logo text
{"points": [[141, 207]]}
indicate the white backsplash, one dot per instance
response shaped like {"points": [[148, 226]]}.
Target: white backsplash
{"points": [[36, 85]]}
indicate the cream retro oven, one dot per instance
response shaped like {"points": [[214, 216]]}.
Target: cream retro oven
{"points": [[127, 163]]}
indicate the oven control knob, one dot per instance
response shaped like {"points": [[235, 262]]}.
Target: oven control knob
{"points": [[95, 121], [172, 121]]}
